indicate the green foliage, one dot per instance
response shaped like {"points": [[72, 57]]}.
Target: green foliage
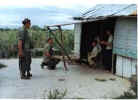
{"points": [[68, 40], [2, 65], [100, 79], [127, 95], [133, 81], [131, 93], [56, 94], [8, 39], [35, 27]]}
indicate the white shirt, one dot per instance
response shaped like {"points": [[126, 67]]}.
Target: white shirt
{"points": [[94, 52], [98, 44], [110, 40], [99, 47]]}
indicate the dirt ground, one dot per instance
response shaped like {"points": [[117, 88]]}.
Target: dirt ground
{"points": [[80, 82]]}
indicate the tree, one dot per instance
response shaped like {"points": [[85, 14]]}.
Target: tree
{"points": [[35, 27]]}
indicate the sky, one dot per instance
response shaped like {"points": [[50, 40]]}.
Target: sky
{"points": [[46, 12]]}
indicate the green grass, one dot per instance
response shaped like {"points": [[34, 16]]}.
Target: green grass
{"points": [[56, 94], [79, 98], [127, 95], [8, 40], [101, 80], [112, 79], [2, 66]]}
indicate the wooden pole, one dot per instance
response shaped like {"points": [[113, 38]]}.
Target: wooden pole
{"points": [[61, 46], [62, 42]]}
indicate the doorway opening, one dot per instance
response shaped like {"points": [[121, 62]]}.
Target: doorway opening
{"points": [[90, 30]]}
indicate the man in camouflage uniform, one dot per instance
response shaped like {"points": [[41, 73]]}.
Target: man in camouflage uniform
{"points": [[24, 50], [49, 60]]}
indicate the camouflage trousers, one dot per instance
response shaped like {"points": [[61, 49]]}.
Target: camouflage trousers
{"points": [[25, 63]]}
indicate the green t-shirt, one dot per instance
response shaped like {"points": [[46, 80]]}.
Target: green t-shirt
{"points": [[48, 48], [24, 35]]}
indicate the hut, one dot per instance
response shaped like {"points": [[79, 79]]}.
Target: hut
{"points": [[121, 19]]}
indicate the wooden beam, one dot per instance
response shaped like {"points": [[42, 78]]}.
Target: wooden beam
{"points": [[61, 25], [102, 18]]}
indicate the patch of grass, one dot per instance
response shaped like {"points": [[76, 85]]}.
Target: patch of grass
{"points": [[79, 98], [127, 95], [2, 65], [56, 94], [44, 94], [133, 81], [112, 79], [100, 79], [131, 93], [61, 79]]}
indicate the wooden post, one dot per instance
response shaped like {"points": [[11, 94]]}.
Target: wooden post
{"points": [[62, 42], [52, 33]]}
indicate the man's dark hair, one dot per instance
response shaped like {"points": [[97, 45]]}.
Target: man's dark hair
{"points": [[49, 39], [95, 41], [108, 30], [26, 20]]}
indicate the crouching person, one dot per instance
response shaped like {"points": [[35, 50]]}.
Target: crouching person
{"points": [[92, 56], [49, 60]]}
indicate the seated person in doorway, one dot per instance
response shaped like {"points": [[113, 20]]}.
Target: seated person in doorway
{"points": [[97, 38], [49, 59], [107, 54], [92, 56]]}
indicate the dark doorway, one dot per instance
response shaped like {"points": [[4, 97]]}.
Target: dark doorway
{"points": [[92, 29]]}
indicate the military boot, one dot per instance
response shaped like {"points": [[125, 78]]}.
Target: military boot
{"points": [[29, 74], [42, 66], [24, 77]]}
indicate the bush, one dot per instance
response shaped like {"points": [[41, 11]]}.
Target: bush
{"points": [[8, 40], [56, 94], [133, 81], [127, 95], [132, 93], [2, 65], [38, 53]]}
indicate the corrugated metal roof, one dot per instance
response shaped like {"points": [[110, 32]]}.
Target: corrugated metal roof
{"points": [[103, 10], [134, 13]]}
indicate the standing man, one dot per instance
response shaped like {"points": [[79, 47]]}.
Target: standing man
{"points": [[24, 50], [107, 60]]}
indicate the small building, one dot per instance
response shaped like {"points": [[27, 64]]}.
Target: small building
{"points": [[121, 19]]}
